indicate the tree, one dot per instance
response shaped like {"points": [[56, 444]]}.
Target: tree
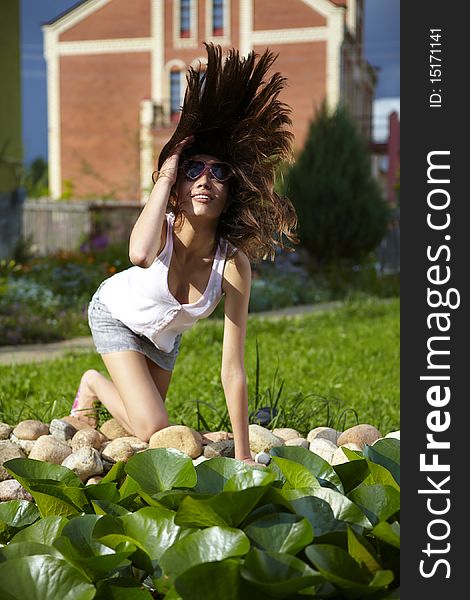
{"points": [[342, 213]]}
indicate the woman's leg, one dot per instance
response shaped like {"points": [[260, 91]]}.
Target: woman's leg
{"points": [[135, 396]]}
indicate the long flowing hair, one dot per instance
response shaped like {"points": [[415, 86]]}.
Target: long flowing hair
{"points": [[237, 116]]}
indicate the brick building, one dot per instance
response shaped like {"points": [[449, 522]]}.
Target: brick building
{"points": [[116, 76]]}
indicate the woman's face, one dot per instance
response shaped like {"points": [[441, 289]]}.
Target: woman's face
{"points": [[204, 196]]}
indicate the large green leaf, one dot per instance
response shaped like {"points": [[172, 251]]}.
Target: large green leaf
{"points": [[115, 474], [296, 475], [122, 589], [18, 513], [213, 475], [338, 567], [380, 474], [281, 532], [388, 532], [225, 509], [246, 479], [352, 473], [360, 549], [207, 545], [318, 466], [151, 529], [22, 549], [161, 469], [214, 581], [106, 492], [44, 531], [56, 489], [385, 452], [319, 514], [43, 577], [278, 575], [379, 502]]}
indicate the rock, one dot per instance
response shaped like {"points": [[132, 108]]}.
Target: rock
{"points": [[121, 449], [339, 457], [85, 463], [5, 431], [25, 445], [87, 438], [264, 415], [13, 490], [360, 435], [30, 429], [324, 448], [62, 430], [7, 452], [221, 448], [50, 449], [75, 422], [197, 461], [94, 480], [262, 440], [393, 434], [298, 441], [286, 433], [179, 437], [215, 436], [113, 430], [262, 458], [325, 433]]}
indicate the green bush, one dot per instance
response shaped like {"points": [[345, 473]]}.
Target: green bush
{"points": [[341, 212]]}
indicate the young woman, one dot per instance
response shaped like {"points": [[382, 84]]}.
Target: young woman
{"points": [[212, 211]]}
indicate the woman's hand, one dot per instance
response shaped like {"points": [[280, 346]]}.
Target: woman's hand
{"points": [[169, 168]]}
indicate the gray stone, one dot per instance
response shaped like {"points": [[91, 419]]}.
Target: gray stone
{"points": [[360, 435], [25, 445], [393, 434], [30, 429], [87, 438], [222, 448], [262, 440], [113, 430], [94, 480], [324, 448], [7, 452], [118, 450], [85, 463], [62, 430], [50, 449], [5, 431], [13, 490], [263, 458], [215, 436], [299, 441], [325, 433], [286, 433], [179, 437]]}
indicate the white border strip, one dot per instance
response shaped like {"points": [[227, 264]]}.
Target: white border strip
{"points": [[289, 36], [105, 46]]}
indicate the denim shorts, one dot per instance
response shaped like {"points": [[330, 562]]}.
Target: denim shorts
{"points": [[111, 335]]}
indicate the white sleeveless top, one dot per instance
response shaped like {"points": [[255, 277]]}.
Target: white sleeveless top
{"points": [[140, 298]]}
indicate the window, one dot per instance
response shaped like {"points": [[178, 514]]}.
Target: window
{"points": [[185, 18], [217, 17], [175, 95]]}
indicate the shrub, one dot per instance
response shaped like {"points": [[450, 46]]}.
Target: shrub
{"points": [[340, 207]]}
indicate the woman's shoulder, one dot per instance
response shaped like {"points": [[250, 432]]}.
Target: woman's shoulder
{"points": [[237, 262]]}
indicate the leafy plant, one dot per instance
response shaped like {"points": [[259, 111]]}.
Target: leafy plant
{"points": [[159, 527]]}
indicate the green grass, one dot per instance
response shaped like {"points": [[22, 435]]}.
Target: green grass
{"points": [[336, 367]]}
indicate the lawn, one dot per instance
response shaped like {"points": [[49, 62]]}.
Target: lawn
{"points": [[335, 367]]}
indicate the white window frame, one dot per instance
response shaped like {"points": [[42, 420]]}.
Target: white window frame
{"points": [[186, 42], [223, 40]]}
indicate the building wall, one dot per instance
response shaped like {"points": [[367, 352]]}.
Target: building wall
{"points": [[94, 142]]}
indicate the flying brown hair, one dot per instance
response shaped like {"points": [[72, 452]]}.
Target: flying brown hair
{"points": [[236, 116]]}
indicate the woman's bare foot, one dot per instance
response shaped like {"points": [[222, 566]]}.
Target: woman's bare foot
{"points": [[83, 407]]}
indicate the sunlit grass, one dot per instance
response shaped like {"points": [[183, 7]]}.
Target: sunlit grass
{"points": [[338, 367]]}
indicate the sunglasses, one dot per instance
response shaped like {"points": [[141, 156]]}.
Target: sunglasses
{"points": [[194, 168]]}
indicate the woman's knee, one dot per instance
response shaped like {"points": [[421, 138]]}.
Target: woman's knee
{"points": [[145, 430]]}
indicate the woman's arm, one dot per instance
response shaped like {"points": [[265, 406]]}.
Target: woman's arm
{"points": [[148, 234], [237, 283]]}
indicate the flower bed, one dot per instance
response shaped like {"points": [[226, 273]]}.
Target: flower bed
{"points": [[165, 521]]}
